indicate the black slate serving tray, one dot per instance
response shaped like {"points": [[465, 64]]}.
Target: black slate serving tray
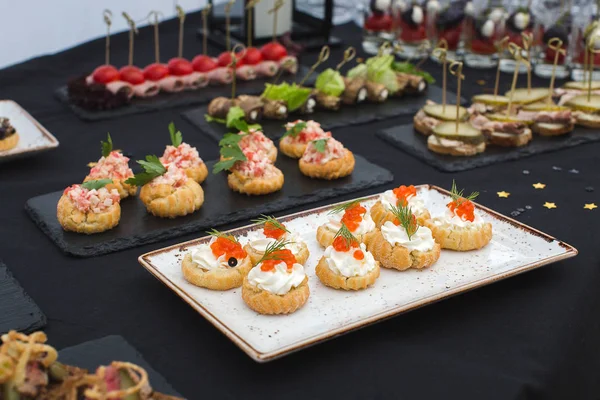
{"points": [[221, 206], [17, 310], [346, 116], [90, 355], [170, 100], [407, 139]]}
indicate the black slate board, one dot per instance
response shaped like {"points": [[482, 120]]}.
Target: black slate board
{"points": [[405, 138], [221, 206], [90, 355], [17, 310], [170, 100], [346, 116]]}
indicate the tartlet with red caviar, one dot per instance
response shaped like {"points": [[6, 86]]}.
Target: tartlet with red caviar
{"points": [[220, 264], [401, 196], [403, 244], [184, 157], [460, 228], [273, 230], [113, 165], [326, 158], [353, 216], [167, 191], [277, 284], [346, 263], [9, 138], [89, 208], [299, 133]]}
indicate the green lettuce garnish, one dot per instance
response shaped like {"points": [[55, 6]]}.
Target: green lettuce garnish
{"points": [[360, 71], [409, 68], [379, 70], [295, 96], [330, 82]]}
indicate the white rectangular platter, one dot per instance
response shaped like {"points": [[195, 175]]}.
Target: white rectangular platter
{"points": [[33, 137], [515, 248]]}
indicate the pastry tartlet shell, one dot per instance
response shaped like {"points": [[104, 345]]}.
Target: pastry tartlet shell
{"points": [[460, 239], [216, 279], [73, 220], [198, 172], [292, 149], [334, 169], [165, 201], [337, 281], [399, 257], [267, 303], [255, 186], [9, 142]]}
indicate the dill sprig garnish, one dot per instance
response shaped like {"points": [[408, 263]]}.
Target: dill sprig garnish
{"points": [[272, 250], [406, 218], [345, 233], [343, 207], [218, 234], [267, 219], [458, 196]]}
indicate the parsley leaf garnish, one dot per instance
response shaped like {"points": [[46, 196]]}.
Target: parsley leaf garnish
{"points": [[230, 152], [97, 184], [320, 144], [153, 168], [235, 119], [176, 136], [107, 147], [209, 118], [295, 130]]}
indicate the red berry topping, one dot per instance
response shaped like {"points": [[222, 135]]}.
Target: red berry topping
{"points": [[132, 74], [155, 72], [273, 51], [204, 63], [105, 74], [252, 56], [180, 67]]}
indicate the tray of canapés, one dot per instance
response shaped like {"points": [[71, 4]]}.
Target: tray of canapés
{"points": [[282, 284], [102, 214]]}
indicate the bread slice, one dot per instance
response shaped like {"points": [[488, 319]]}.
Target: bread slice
{"points": [[549, 129], [453, 147], [587, 120], [421, 127], [510, 140]]}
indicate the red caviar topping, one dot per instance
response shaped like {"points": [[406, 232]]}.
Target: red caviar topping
{"points": [[359, 255], [353, 216], [228, 247], [271, 231], [403, 193], [341, 244], [284, 255], [463, 208]]}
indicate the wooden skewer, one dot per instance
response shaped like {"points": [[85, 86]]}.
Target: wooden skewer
{"points": [[132, 32], [441, 51], [250, 10], [181, 16], [459, 75], [156, 15], [275, 11], [556, 45], [233, 64], [205, 12], [228, 24], [349, 54], [527, 42], [516, 53], [323, 56], [500, 46], [107, 14]]}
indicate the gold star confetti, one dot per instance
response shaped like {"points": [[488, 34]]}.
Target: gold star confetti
{"points": [[503, 194], [539, 185], [590, 206], [481, 82], [549, 205], [92, 164]]}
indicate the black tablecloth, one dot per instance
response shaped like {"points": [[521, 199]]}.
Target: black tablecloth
{"points": [[532, 336]]}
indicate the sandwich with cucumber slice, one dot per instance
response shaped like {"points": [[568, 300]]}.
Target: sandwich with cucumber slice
{"points": [[433, 114], [548, 119], [573, 89], [488, 103], [503, 130], [462, 140], [586, 113]]}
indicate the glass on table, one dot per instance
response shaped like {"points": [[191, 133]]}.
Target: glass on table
{"points": [[448, 24], [582, 58], [520, 28], [410, 18], [378, 25], [485, 28]]}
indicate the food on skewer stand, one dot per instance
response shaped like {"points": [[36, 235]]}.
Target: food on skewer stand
{"points": [[432, 114], [182, 68], [331, 86], [548, 118], [507, 129], [587, 107], [455, 138], [485, 103], [132, 74]]}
